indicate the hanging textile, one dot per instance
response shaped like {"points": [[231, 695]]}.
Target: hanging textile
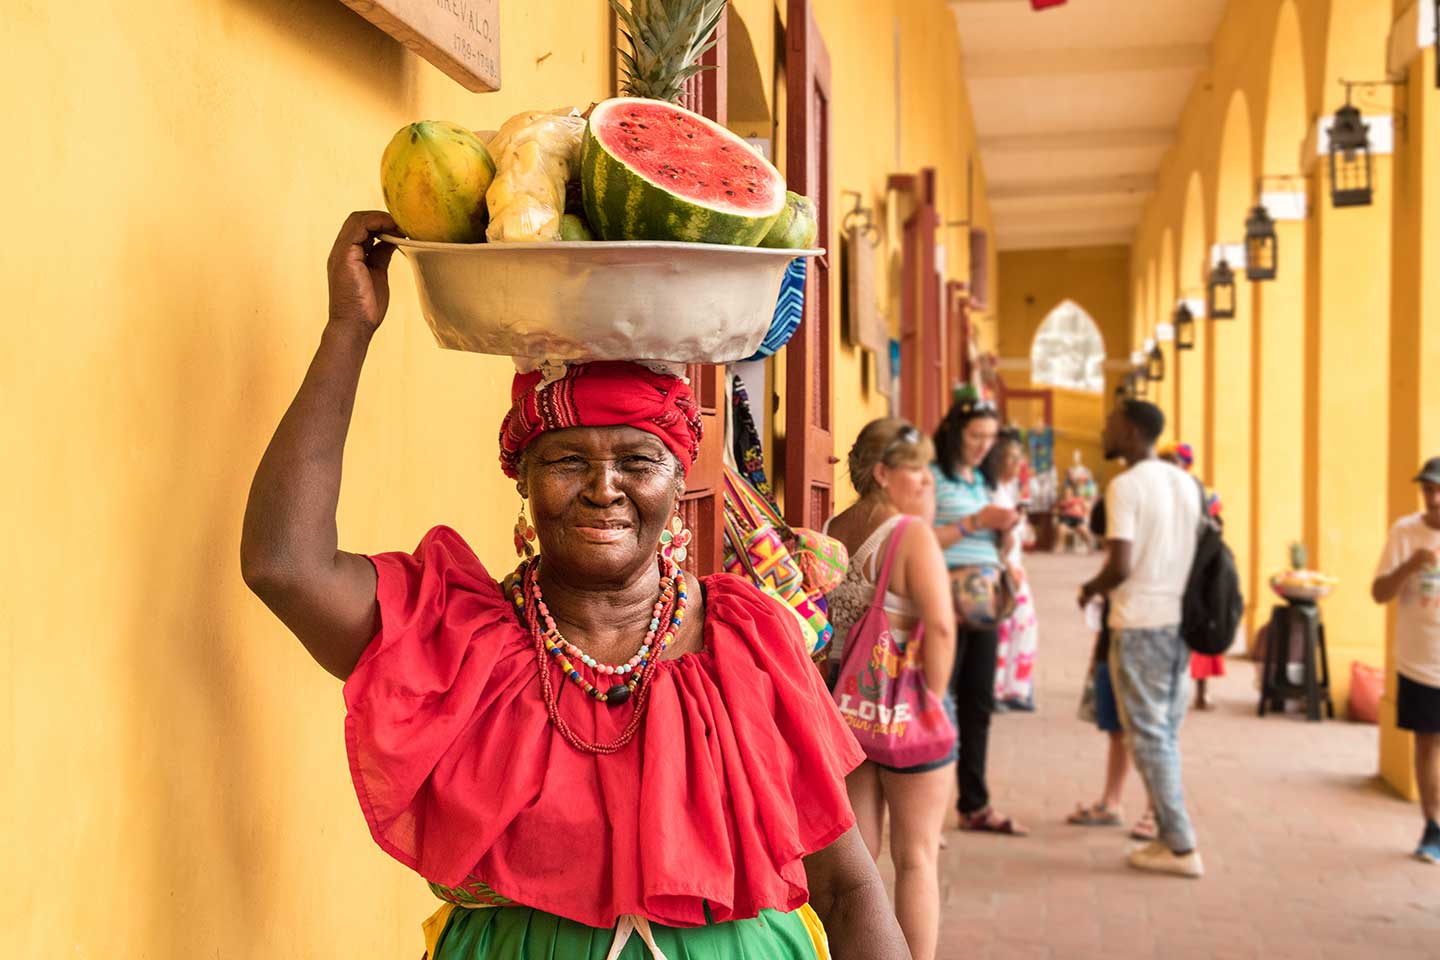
{"points": [[746, 446]]}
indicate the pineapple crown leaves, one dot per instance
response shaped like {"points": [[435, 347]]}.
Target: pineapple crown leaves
{"points": [[667, 39]]}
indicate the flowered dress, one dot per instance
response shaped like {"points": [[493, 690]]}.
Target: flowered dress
{"points": [[1019, 636], [687, 843]]}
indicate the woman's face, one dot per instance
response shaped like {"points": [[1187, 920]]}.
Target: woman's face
{"points": [[977, 439], [599, 498], [1010, 459], [910, 488]]}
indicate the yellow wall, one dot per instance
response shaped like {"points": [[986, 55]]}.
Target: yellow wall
{"points": [[1414, 347], [1295, 392], [174, 776], [935, 128], [1034, 282]]}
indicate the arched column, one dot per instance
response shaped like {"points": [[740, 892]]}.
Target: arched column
{"points": [[1347, 310], [1229, 357], [1191, 365], [1414, 326]]}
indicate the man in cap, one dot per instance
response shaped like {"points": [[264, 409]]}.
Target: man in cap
{"points": [[1410, 570]]}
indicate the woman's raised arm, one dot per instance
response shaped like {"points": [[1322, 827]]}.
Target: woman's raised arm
{"points": [[289, 554]]}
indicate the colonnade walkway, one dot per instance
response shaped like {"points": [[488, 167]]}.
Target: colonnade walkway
{"points": [[1306, 854]]}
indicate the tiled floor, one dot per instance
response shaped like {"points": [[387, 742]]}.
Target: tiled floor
{"points": [[1306, 856]]}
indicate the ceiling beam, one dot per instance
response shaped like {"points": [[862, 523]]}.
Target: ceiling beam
{"points": [[1011, 64], [1136, 139], [1122, 184]]}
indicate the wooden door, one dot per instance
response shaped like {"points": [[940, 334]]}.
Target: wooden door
{"points": [[703, 505], [923, 388], [809, 419], [957, 334]]}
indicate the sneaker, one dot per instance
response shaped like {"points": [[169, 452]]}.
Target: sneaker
{"points": [[1019, 705], [1429, 849], [1155, 857]]}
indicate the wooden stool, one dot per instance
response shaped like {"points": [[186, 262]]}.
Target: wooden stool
{"points": [[1275, 685]]}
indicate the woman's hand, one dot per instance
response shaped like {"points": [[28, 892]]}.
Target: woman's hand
{"points": [[995, 517], [357, 269]]}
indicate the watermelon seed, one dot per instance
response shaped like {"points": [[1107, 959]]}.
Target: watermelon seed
{"points": [[729, 193]]}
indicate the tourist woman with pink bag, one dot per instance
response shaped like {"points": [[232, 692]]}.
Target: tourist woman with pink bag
{"points": [[891, 657]]}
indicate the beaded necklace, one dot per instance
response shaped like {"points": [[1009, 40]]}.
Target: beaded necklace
{"points": [[639, 671]]}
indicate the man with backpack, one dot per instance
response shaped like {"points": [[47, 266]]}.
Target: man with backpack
{"points": [[1154, 514]]}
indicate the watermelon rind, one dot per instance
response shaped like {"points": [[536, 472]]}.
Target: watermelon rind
{"points": [[623, 204]]}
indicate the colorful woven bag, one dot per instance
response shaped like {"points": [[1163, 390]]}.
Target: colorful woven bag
{"points": [[759, 556], [823, 560]]}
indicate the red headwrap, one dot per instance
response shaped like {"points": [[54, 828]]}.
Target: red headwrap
{"points": [[601, 394]]}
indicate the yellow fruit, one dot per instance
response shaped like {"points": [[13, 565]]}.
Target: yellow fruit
{"points": [[434, 175]]}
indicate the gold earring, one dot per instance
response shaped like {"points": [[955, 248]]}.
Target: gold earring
{"points": [[524, 535]]}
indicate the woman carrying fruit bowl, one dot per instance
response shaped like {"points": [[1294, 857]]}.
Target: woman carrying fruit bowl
{"points": [[598, 755]]}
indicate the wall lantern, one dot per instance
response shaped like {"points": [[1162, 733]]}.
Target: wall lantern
{"points": [[1351, 167], [1139, 386], [1262, 246], [1184, 328], [1155, 364], [1220, 292]]}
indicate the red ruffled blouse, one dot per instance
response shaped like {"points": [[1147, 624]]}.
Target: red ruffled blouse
{"points": [[736, 773]]}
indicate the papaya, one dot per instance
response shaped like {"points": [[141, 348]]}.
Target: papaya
{"points": [[433, 176]]}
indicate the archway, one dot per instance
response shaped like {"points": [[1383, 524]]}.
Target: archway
{"points": [[1068, 350], [1277, 459]]}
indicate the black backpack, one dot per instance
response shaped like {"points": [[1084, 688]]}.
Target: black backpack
{"points": [[1213, 604]]}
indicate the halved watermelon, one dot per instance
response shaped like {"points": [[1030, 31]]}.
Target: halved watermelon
{"points": [[650, 170]]}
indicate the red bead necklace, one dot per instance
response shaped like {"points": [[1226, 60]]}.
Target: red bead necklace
{"points": [[525, 593]]}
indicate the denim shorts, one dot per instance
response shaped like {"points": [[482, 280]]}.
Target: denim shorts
{"points": [[949, 758], [1107, 714]]}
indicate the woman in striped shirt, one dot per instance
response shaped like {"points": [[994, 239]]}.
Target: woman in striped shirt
{"points": [[971, 528]]}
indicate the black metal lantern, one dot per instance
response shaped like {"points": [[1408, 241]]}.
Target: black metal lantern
{"points": [[1221, 291], [1155, 364], [1262, 246], [1184, 328], [1351, 167]]}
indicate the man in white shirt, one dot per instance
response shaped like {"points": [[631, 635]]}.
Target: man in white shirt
{"points": [[1410, 570], [1153, 512]]}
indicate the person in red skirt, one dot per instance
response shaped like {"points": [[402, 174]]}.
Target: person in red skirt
{"points": [[1202, 666]]}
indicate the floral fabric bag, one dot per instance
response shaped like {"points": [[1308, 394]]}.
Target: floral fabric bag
{"points": [[880, 688]]}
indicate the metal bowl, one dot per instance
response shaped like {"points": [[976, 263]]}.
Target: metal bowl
{"points": [[1302, 594], [599, 300]]}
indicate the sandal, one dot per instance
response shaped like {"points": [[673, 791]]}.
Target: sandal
{"points": [[1098, 815], [988, 821], [1145, 829]]}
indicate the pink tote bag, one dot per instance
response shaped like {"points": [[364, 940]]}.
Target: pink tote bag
{"points": [[881, 690]]}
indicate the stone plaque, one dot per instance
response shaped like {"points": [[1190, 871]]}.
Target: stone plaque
{"points": [[461, 37]]}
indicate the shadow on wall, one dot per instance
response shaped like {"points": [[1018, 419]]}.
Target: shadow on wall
{"points": [[193, 741], [363, 57]]}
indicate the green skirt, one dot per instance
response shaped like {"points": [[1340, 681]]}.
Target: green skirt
{"points": [[523, 933]]}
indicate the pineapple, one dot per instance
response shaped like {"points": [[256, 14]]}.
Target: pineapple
{"points": [[1299, 556], [667, 39]]}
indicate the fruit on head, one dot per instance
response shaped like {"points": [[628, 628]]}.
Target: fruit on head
{"points": [[796, 228], [434, 175], [1299, 556], [655, 171]]}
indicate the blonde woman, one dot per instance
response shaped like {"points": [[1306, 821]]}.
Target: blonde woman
{"points": [[889, 467]]}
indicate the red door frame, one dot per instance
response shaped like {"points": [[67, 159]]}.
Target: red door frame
{"points": [[809, 399]]}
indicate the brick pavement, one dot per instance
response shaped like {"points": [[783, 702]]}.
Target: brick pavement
{"points": [[1306, 855]]}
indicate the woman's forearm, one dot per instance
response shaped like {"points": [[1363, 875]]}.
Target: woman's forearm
{"points": [[861, 925], [290, 517]]}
